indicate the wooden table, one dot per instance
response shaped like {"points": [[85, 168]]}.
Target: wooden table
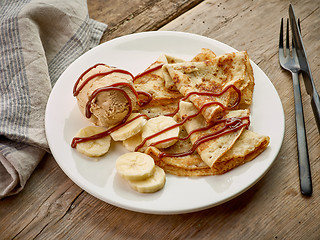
{"points": [[52, 207]]}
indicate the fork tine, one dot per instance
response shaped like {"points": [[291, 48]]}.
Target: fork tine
{"points": [[287, 40], [281, 35]]}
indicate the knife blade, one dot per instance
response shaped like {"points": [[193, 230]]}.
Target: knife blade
{"points": [[304, 65]]}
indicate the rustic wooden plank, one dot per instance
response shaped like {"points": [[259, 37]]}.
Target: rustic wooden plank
{"points": [[47, 196], [126, 17]]}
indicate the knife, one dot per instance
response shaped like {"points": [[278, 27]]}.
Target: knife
{"points": [[305, 68]]}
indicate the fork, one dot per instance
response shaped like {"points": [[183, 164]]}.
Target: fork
{"points": [[289, 61]]}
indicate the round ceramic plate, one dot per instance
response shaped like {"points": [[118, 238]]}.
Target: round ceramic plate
{"points": [[181, 194]]}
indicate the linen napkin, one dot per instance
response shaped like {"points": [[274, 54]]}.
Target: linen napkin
{"points": [[38, 40]]}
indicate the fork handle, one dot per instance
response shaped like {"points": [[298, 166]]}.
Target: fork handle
{"points": [[303, 155]]}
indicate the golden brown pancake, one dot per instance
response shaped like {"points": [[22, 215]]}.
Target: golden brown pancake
{"points": [[213, 149], [165, 96], [204, 55], [204, 73], [214, 76], [164, 100]]}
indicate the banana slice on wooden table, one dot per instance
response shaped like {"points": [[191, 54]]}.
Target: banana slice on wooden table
{"points": [[135, 166], [93, 148], [157, 124], [151, 184], [129, 129]]}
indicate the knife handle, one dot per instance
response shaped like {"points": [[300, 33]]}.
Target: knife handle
{"points": [[303, 155], [315, 103]]}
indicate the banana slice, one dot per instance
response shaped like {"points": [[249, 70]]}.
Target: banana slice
{"points": [[151, 184], [93, 148], [135, 166], [131, 143], [157, 124], [129, 129]]}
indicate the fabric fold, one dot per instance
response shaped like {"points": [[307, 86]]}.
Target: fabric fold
{"points": [[39, 39]]}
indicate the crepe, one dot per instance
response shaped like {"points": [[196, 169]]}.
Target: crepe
{"points": [[165, 95], [205, 72], [190, 165], [248, 146], [216, 156], [204, 55], [211, 150], [164, 100], [214, 76]]}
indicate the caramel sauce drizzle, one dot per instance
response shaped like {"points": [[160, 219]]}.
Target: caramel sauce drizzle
{"points": [[148, 71], [123, 122], [211, 94], [230, 124], [203, 129], [141, 102], [171, 127], [77, 140], [81, 76], [76, 89]]}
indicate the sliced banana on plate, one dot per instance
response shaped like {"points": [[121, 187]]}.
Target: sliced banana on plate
{"points": [[140, 172], [151, 184], [131, 143], [135, 166], [93, 148], [129, 129], [157, 124]]}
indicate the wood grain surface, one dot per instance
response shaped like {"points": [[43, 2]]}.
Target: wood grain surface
{"points": [[52, 207]]}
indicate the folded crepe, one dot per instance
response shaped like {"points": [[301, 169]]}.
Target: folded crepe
{"points": [[171, 87], [237, 143], [248, 146], [165, 95], [204, 55], [164, 100], [227, 72], [212, 157], [190, 165]]}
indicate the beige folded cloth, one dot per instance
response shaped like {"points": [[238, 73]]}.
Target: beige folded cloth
{"points": [[38, 40]]}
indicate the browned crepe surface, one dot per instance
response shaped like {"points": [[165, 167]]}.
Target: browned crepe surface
{"points": [[214, 76], [205, 72]]}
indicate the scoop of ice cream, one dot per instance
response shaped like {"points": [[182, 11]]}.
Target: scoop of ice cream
{"points": [[108, 107]]}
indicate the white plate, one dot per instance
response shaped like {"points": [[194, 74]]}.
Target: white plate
{"points": [[181, 194]]}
